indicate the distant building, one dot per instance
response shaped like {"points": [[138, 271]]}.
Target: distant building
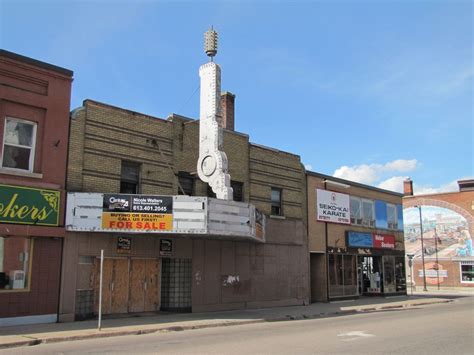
{"points": [[34, 129], [355, 239], [448, 230]]}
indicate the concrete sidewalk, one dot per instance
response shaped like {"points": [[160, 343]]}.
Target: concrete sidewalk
{"points": [[161, 322]]}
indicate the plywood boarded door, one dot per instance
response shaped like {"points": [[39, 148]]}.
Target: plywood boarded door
{"points": [[107, 283], [137, 285], [120, 286], [152, 285]]}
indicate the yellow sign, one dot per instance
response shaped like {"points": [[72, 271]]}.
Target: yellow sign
{"points": [[137, 221]]}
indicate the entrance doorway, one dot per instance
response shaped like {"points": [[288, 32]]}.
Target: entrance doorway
{"points": [[370, 275], [129, 285]]}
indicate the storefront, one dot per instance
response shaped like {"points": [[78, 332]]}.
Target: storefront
{"points": [[168, 253], [30, 254]]}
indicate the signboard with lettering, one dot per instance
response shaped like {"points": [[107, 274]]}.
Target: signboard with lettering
{"points": [[384, 241], [124, 245], [137, 212], [166, 247], [359, 240], [26, 205], [332, 207]]}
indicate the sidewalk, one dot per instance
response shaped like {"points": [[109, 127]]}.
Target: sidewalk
{"points": [[153, 322]]}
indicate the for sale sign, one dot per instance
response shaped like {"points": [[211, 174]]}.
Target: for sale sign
{"points": [[333, 207], [137, 212]]}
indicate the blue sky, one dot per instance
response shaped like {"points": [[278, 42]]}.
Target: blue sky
{"points": [[370, 91]]}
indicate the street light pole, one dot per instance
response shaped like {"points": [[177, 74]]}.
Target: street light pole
{"points": [[422, 250], [437, 263]]}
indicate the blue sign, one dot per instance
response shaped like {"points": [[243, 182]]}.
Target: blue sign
{"points": [[360, 240]]}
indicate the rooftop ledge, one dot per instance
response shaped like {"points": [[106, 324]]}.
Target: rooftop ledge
{"points": [[204, 217]]}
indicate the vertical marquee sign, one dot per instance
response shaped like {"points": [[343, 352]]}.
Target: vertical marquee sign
{"points": [[137, 212], [26, 205]]}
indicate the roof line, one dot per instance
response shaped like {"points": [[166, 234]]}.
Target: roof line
{"points": [[353, 183], [35, 62]]}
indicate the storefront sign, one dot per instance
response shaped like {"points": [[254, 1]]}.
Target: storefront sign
{"points": [[384, 241], [124, 245], [333, 207], [360, 240], [25, 205], [166, 247], [137, 212]]}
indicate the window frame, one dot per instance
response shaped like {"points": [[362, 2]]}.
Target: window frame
{"points": [[31, 162], [393, 225], [280, 202], [185, 175], [460, 273], [234, 183], [364, 221], [29, 271], [137, 182]]}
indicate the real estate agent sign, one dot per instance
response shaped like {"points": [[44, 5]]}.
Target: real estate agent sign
{"points": [[137, 212], [333, 207]]}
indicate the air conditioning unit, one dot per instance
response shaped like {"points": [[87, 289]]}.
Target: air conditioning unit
{"points": [[372, 222], [359, 220], [392, 225], [17, 279], [352, 220]]}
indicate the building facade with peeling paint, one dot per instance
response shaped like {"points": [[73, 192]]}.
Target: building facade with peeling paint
{"points": [[253, 254]]}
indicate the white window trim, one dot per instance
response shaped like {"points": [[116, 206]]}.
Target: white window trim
{"points": [[351, 198], [31, 162], [362, 210], [460, 273], [395, 214]]}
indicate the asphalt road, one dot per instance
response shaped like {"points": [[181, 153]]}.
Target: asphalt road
{"points": [[437, 329]]}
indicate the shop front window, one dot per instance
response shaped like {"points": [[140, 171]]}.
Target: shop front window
{"points": [[342, 275], [14, 263], [389, 274], [400, 278], [467, 273]]}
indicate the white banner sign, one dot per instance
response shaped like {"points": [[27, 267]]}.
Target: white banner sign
{"points": [[333, 207]]}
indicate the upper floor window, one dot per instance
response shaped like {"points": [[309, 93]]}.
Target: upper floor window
{"points": [[130, 178], [276, 202], [362, 211], [238, 188], [19, 141], [186, 184], [392, 219]]}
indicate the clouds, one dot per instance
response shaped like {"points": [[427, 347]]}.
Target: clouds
{"points": [[308, 167], [371, 173], [385, 176]]}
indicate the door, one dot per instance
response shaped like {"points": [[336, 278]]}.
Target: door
{"points": [[114, 286], [144, 285]]}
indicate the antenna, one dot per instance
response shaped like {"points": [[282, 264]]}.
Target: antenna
{"points": [[210, 43]]}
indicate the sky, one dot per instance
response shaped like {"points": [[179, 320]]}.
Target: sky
{"points": [[369, 91]]}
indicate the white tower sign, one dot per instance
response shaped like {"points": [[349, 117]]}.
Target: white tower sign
{"points": [[212, 163]]}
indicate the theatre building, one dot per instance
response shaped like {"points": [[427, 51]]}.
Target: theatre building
{"points": [[34, 124], [169, 244], [355, 238]]}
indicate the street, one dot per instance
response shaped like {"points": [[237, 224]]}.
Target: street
{"points": [[436, 329]]}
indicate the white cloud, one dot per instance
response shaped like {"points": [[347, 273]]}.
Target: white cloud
{"points": [[395, 183], [308, 167], [371, 173], [428, 189]]}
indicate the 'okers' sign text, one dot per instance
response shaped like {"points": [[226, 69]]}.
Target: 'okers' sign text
{"points": [[333, 207]]}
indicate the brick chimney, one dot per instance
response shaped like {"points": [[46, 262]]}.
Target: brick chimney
{"points": [[227, 107], [408, 187]]}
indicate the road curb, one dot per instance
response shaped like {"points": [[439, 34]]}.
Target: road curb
{"points": [[176, 328]]}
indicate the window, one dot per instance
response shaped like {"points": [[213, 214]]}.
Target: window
{"points": [[238, 188], [362, 211], [392, 219], [356, 217], [129, 181], [186, 184], [467, 272], [276, 202], [19, 144], [14, 263]]}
